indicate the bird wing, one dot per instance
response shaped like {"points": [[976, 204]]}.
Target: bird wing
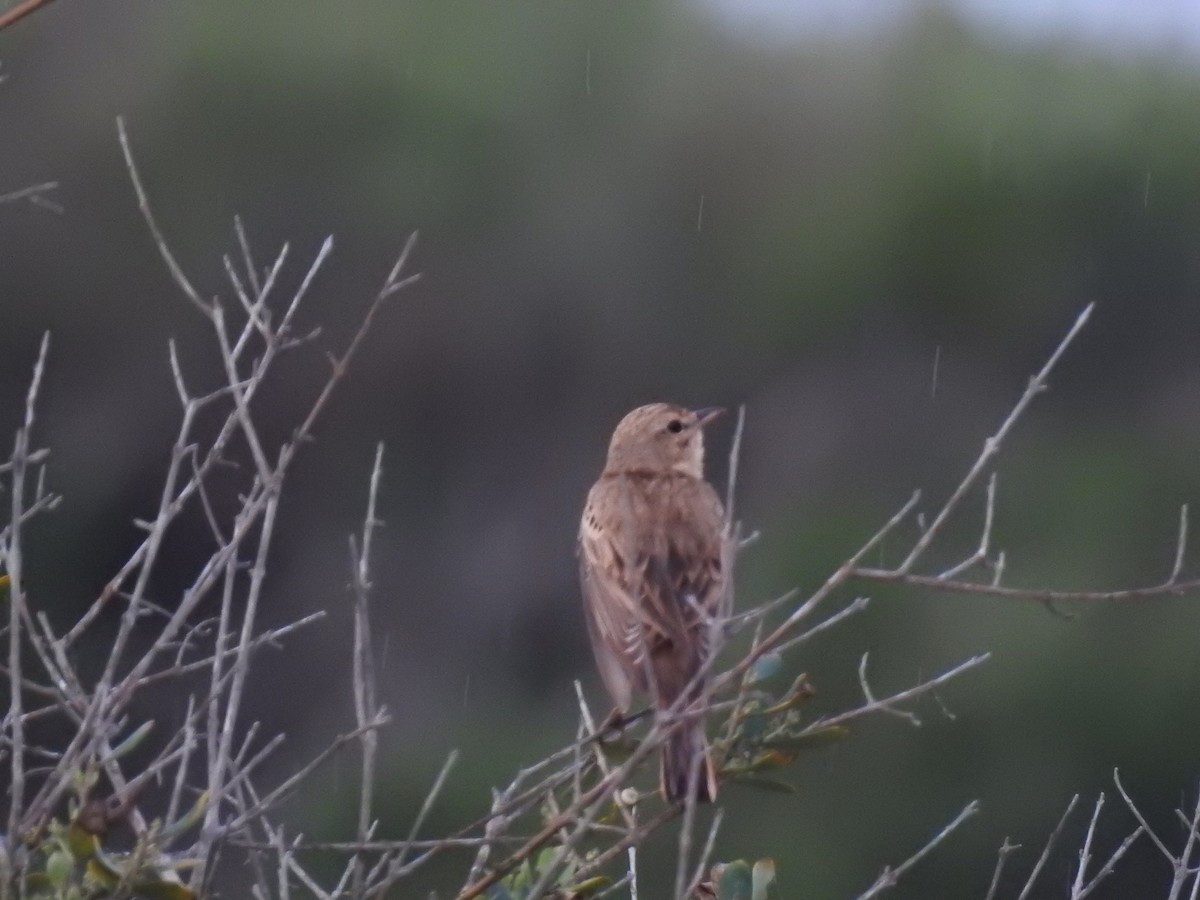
{"points": [[610, 610], [652, 561]]}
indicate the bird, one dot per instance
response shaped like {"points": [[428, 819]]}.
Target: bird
{"points": [[653, 567]]}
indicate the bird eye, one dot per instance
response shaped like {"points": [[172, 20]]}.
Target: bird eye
{"points": [[674, 426]]}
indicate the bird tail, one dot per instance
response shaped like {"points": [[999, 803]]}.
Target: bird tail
{"points": [[687, 766]]}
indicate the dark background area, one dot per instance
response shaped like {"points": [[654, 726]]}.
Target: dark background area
{"points": [[621, 203]]}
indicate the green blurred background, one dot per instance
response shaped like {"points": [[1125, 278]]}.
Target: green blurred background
{"points": [[803, 210]]}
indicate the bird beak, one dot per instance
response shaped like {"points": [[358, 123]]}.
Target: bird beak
{"points": [[708, 414]]}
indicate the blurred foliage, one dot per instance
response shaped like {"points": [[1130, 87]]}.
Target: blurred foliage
{"points": [[79, 857], [871, 240], [765, 733], [738, 880], [520, 884]]}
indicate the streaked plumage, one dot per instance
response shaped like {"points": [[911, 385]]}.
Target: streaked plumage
{"points": [[652, 565]]}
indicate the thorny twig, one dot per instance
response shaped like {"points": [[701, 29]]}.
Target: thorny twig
{"points": [[577, 787], [172, 641]]}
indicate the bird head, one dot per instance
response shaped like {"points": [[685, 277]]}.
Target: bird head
{"points": [[661, 437]]}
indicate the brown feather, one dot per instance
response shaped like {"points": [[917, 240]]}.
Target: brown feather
{"points": [[652, 567]]}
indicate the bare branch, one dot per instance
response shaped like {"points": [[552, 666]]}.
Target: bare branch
{"points": [[1039, 595], [144, 204], [1006, 849], [991, 446], [1054, 835], [1180, 545], [890, 877]]}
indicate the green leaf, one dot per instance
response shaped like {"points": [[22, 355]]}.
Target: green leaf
{"points": [[520, 880], [768, 761], [753, 723], [59, 866], [764, 880], [796, 742], [103, 873], [764, 762], [800, 691], [545, 860], [132, 742], [736, 882], [82, 845], [190, 818], [767, 666], [591, 886]]}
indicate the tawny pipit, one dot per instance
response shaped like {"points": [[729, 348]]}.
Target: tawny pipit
{"points": [[652, 563]]}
